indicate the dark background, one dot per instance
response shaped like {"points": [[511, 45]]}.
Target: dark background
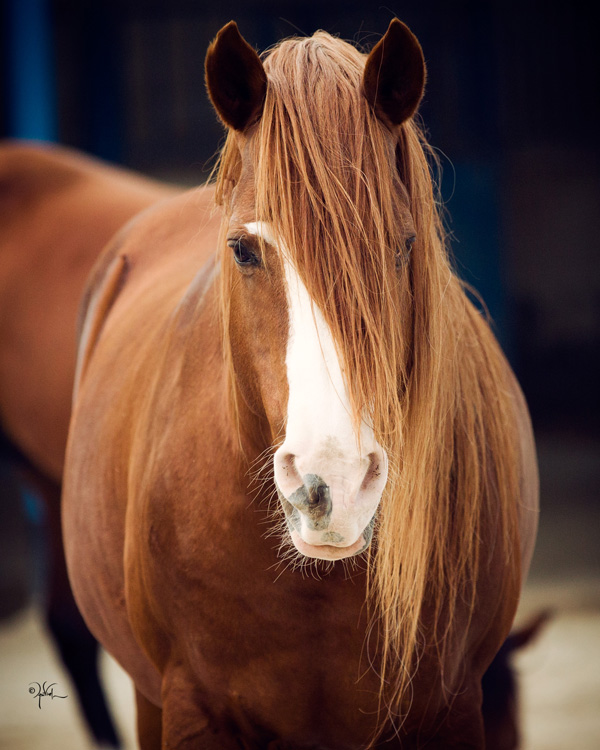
{"points": [[512, 104]]}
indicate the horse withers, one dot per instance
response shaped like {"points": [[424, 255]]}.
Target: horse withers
{"points": [[300, 491]]}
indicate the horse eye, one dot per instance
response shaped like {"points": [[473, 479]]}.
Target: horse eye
{"points": [[242, 254], [410, 241]]}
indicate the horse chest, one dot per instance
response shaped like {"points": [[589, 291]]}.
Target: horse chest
{"points": [[288, 672], [281, 655]]}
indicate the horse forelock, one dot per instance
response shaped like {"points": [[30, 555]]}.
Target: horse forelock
{"points": [[326, 181], [419, 362]]}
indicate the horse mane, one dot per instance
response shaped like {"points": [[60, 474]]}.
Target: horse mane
{"points": [[421, 363]]}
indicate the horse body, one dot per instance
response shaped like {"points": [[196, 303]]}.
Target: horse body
{"points": [[228, 645]]}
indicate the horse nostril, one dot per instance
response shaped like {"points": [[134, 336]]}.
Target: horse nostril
{"points": [[317, 492], [312, 498], [377, 468]]}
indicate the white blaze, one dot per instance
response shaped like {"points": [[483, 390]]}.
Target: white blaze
{"points": [[320, 437]]}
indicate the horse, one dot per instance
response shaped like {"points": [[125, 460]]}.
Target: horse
{"points": [[58, 209], [300, 492]]}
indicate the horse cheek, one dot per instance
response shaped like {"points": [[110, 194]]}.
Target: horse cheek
{"points": [[258, 334]]}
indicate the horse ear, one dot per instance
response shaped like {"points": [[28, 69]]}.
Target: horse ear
{"points": [[394, 77], [235, 78]]}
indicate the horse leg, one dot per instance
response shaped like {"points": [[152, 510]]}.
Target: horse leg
{"points": [[149, 723], [77, 646], [185, 723], [500, 703]]}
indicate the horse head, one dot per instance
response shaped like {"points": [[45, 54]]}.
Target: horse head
{"points": [[289, 341]]}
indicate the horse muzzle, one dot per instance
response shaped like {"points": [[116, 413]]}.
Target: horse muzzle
{"points": [[330, 515]]}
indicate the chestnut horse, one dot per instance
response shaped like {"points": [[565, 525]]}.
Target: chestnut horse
{"points": [[57, 211], [300, 490]]}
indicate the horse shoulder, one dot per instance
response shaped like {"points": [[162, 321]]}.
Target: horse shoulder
{"points": [[528, 502], [135, 317], [498, 593], [102, 288], [527, 494]]}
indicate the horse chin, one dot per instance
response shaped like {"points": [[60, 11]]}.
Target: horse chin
{"points": [[328, 551]]}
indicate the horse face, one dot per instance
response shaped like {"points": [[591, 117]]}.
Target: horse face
{"points": [[329, 481]]}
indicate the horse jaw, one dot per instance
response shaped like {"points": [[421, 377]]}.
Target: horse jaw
{"points": [[329, 487]]}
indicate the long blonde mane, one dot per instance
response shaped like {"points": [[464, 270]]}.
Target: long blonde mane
{"points": [[421, 363]]}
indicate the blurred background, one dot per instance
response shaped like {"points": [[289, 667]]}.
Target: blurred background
{"points": [[512, 105]]}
